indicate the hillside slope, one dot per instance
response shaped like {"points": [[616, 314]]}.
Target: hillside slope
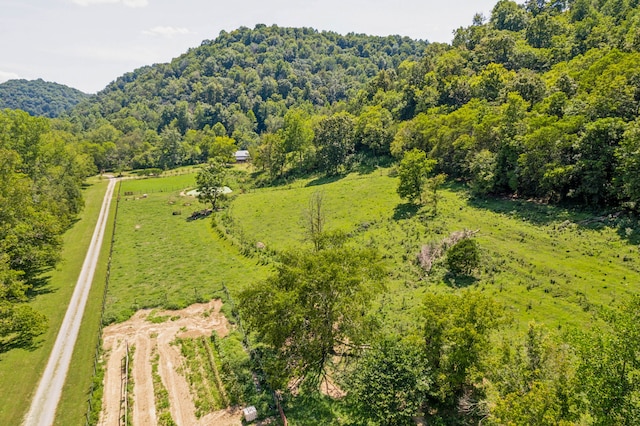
{"points": [[39, 97], [244, 77]]}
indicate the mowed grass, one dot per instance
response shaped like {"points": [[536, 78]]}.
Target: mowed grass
{"points": [[163, 259], [543, 263], [21, 369]]}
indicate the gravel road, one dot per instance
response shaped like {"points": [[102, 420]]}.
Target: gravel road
{"points": [[45, 401]]}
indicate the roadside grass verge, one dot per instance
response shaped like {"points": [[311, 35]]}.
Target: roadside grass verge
{"points": [[21, 369], [73, 404]]}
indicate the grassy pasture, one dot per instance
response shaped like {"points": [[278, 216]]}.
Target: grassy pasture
{"points": [[164, 260], [544, 263], [21, 369]]}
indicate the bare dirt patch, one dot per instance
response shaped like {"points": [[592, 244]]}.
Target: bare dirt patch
{"points": [[195, 321]]}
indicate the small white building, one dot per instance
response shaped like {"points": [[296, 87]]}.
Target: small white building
{"points": [[242, 156], [250, 413]]}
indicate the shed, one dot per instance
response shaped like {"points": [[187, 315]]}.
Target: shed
{"points": [[242, 156], [250, 413]]}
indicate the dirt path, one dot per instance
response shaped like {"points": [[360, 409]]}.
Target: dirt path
{"points": [[45, 401], [148, 338]]}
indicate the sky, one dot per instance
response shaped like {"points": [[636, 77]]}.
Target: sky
{"points": [[86, 44]]}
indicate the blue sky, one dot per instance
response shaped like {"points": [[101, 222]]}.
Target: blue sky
{"points": [[86, 44]]}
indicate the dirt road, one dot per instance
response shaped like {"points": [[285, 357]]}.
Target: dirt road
{"points": [[151, 340], [45, 401]]}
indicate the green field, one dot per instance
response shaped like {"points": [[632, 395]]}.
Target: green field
{"points": [[20, 369], [164, 259], [544, 263]]}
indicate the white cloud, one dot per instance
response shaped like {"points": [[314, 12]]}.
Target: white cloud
{"points": [[129, 3], [165, 31], [5, 75]]}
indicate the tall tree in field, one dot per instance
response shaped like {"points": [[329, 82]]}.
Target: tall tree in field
{"points": [[210, 180], [413, 172], [314, 219], [313, 308], [297, 134], [334, 141]]}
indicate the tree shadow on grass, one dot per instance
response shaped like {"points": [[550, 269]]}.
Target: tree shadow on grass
{"points": [[405, 211], [369, 165], [625, 223], [27, 343], [39, 286], [541, 213], [325, 180], [199, 214], [460, 280]]}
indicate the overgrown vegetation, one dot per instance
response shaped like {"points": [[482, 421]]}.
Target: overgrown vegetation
{"points": [[161, 396]]}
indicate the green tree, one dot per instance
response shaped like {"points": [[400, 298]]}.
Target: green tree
{"points": [[628, 156], [374, 129], [334, 141], [532, 381], [171, 149], [413, 172], [389, 383], [456, 332], [432, 186], [297, 133], [312, 309], [508, 15], [482, 170], [210, 181], [271, 154], [597, 161], [463, 257], [609, 365]]}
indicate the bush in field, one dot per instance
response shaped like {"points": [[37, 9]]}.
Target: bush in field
{"points": [[463, 257]]}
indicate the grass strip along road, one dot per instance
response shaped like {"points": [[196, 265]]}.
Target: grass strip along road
{"points": [[45, 402]]}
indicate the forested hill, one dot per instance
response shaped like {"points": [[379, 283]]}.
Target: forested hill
{"points": [[39, 97], [538, 100], [246, 77]]}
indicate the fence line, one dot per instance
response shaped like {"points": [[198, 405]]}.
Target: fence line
{"points": [[98, 349]]}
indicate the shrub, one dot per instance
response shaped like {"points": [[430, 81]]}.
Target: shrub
{"points": [[463, 257]]}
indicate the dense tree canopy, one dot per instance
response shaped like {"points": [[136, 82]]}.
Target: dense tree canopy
{"points": [[40, 176], [39, 98]]}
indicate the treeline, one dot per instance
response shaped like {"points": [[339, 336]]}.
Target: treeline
{"points": [[41, 172], [540, 100], [39, 98], [239, 85]]}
